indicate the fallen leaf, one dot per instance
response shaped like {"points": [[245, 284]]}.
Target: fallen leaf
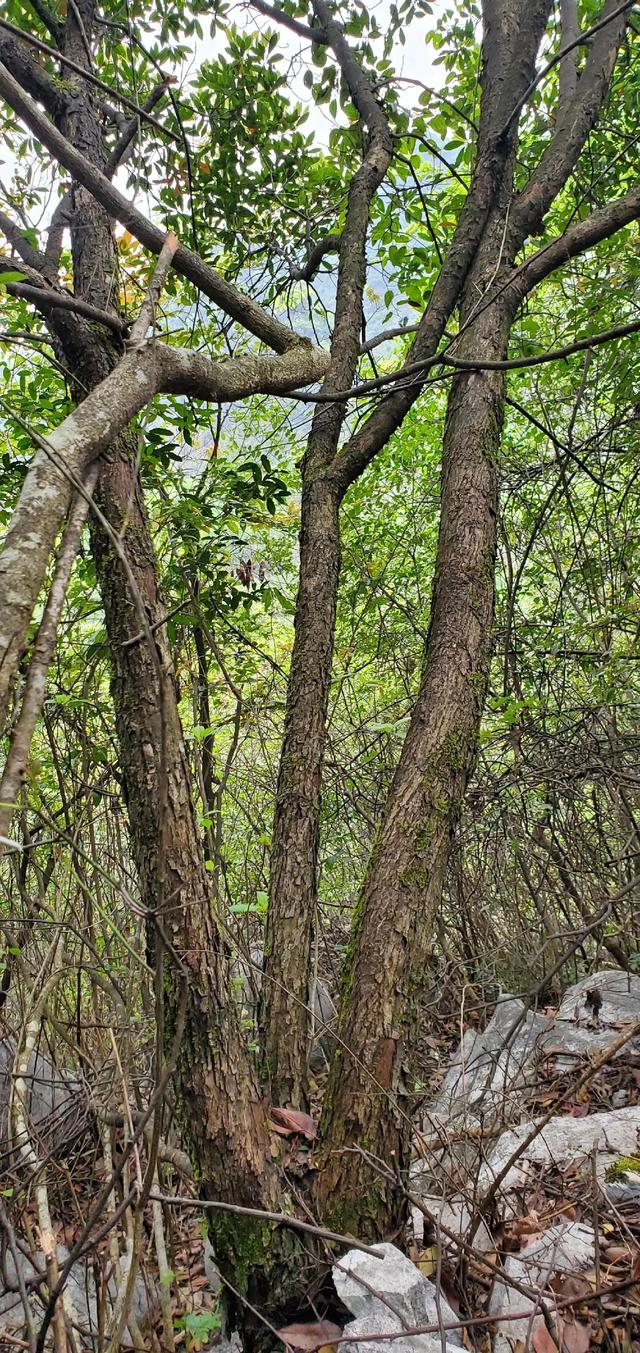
{"points": [[428, 1261], [576, 1338], [292, 1120], [541, 1340], [309, 1338]]}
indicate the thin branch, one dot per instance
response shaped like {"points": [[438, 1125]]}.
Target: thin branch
{"points": [[122, 148], [51, 23], [279, 1218], [366, 388], [147, 311], [386, 335], [330, 244], [44, 297]]}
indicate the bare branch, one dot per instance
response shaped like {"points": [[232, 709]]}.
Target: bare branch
{"points": [[36, 684], [45, 298], [122, 148], [386, 335], [147, 312], [330, 244], [583, 235], [51, 23]]}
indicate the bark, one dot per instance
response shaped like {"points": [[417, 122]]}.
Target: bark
{"points": [[285, 999], [369, 1098], [327, 473], [368, 1105]]}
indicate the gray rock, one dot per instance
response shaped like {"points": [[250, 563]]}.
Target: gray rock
{"points": [[561, 1140], [491, 1067], [375, 1325], [56, 1102], [578, 1029], [619, 993], [566, 1248], [249, 979], [453, 1214], [390, 1288]]}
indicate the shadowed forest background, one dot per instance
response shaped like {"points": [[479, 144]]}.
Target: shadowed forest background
{"points": [[319, 620]]}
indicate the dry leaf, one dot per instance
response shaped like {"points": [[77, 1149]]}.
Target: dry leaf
{"points": [[428, 1261], [292, 1120], [541, 1340], [309, 1338], [576, 1338]]}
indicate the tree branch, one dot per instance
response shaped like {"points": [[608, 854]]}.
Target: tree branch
{"points": [[121, 150], [302, 30], [583, 235], [230, 299], [560, 156], [54, 27], [65, 455], [48, 83], [568, 75], [28, 73], [330, 244]]}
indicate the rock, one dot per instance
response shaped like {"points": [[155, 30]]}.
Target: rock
{"points": [[453, 1214], [390, 1288], [592, 1012], [566, 1248], [56, 1102], [249, 979], [491, 1067], [374, 1325], [616, 1003], [561, 1140]]}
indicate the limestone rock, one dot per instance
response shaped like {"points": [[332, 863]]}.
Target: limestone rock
{"points": [[568, 1247], [491, 1067], [375, 1325], [563, 1139], [391, 1288]]}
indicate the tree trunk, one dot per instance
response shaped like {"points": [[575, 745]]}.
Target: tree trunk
{"points": [[294, 854], [369, 1101]]}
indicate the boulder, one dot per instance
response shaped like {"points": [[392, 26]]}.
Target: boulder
{"points": [[561, 1140], [491, 1067], [390, 1289], [592, 1012], [56, 1101], [568, 1247], [384, 1325]]}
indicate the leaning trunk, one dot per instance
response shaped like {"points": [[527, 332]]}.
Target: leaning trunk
{"points": [[369, 1102]]}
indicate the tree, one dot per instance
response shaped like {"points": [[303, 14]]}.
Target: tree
{"points": [[536, 126]]}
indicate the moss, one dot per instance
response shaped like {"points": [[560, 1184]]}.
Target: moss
{"points": [[623, 1166], [454, 750], [241, 1245]]}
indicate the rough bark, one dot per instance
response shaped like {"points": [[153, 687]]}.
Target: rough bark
{"points": [[284, 1015], [368, 1105], [369, 1098]]}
